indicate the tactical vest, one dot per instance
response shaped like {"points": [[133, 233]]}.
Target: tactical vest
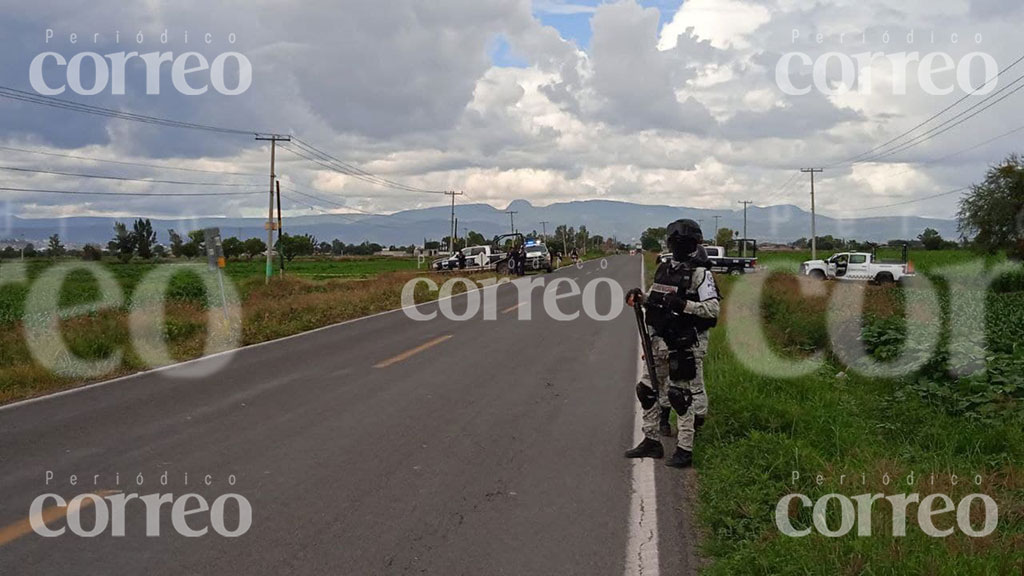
{"points": [[678, 330]]}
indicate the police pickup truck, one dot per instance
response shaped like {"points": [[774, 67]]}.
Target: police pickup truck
{"points": [[475, 256], [858, 266], [722, 264], [537, 256]]}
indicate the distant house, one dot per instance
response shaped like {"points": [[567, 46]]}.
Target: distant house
{"points": [[427, 252], [392, 253]]}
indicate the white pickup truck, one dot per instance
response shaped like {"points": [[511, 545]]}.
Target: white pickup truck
{"points": [[857, 266]]}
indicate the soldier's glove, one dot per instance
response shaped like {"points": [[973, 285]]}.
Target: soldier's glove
{"points": [[634, 297], [675, 303]]}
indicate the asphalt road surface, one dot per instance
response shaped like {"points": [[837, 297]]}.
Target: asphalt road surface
{"points": [[379, 446]]}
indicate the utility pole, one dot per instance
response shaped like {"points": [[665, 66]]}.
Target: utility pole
{"points": [[451, 238], [274, 139], [814, 231], [544, 227], [512, 219], [280, 228], [717, 218], [743, 248]]}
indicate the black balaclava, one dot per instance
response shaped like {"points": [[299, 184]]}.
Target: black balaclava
{"points": [[682, 248]]}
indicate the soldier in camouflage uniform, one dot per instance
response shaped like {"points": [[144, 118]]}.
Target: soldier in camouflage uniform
{"points": [[681, 306]]}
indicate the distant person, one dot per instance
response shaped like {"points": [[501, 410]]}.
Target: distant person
{"points": [[461, 258]]}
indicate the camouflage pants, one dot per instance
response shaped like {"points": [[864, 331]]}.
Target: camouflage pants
{"points": [[696, 387]]}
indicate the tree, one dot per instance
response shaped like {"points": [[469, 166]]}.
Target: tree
{"points": [[55, 248], [993, 211], [475, 238], [123, 243], [254, 247], [232, 247], [323, 248], [92, 253], [931, 239], [195, 246], [29, 251], [723, 237], [291, 246], [652, 238], [337, 247], [144, 238], [177, 244]]}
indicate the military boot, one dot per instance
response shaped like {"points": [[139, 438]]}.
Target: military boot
{"points": [[680, 459], [646, 449], [663, 425]]}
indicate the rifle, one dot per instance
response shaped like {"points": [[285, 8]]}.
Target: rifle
{"points": [[645, 338]]}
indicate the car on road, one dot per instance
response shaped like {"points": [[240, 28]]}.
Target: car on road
{"points": [[858, 266]]}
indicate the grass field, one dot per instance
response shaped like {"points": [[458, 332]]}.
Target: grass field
{"points": [[862, 434], [313, 293]]}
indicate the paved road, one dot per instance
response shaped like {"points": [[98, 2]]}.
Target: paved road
{"points": [[381, 446]]}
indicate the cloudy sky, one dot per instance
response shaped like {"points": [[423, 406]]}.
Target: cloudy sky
{"points": [[647, 101]]}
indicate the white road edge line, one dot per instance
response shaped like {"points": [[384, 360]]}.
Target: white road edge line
{"points": [[103, 383], [642, 545]]}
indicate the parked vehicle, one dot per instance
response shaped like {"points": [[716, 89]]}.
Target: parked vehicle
{"points": [[722, 263], [859, 266], [473, 258], [537, 256]]}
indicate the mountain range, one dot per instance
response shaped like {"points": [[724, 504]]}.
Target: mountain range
{"points": [[623, 220]]}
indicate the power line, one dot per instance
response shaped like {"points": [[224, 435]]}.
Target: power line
{"points": [[124, 178], [914, 201], [136, 194], [946, 126], [20, 95], [858, 157], [125, 163], [328, 161]]}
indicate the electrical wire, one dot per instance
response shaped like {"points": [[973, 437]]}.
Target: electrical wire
{"points": [[126, 179], [125, 163], [135, 194]]}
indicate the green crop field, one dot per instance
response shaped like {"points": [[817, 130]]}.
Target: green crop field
{"points": [[958, 415], [313, 293]]}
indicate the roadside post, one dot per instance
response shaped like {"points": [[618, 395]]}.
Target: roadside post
{"points": [[215, 260]]}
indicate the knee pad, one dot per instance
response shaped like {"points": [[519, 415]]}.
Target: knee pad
{"points": [[648, 396], [680, 398]]}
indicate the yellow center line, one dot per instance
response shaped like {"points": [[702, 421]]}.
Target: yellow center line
{"points": [[48, 515], [410, 353]]}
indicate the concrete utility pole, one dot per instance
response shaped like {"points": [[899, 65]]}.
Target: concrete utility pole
{"points": [[743, 246], [274, 139], [814, 231], [280, 228], [451, 237], [512, 218], [544, 227], [717, 218]]}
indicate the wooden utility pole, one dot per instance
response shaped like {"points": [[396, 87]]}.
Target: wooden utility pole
{"points": [[451, 238], [743, 248], [274, 139], [814, 231], [544, 227]]}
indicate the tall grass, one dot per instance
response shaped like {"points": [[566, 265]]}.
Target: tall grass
{"points": [[862, 435]]}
